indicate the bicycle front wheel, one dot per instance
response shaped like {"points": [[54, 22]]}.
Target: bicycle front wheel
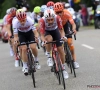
{"points": [[60, 71]]}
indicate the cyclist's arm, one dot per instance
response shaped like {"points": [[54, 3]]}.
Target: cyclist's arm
{"points": [[36, 33], [42, 29], [69, 16], [7, 27], [15, 30], [60, 26]]}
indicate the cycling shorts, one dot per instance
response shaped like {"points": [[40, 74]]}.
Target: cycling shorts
{"points": [[26, 37], [55, 35]]}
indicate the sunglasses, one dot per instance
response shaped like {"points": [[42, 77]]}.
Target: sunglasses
{"points": [[50, 20], [59, 12], [22, 20]]}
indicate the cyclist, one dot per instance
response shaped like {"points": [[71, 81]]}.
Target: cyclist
{"points": [[24, 30], [4, 28], [9, 29], [36, 14], [66, 16], [43, 8], [51, 29], [50, 4]]}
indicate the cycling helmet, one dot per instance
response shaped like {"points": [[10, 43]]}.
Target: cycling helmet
{"points": [[13, 11], [49, 13], [24, 8], [63, 3], [50, 3], [8, 11], [58, 7], [37, 9], [43, 8], [20, 14]]}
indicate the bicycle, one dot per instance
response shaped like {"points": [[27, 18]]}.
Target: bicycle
{"points": [[31, 62], [68, 57], [57, 64]]}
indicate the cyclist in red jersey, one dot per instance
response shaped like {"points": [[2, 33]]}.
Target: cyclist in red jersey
{"points": [[51, 29], [9, 29], [67, 17]]}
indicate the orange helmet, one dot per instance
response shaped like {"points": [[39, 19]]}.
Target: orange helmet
{"points": [[58, 7], [50, 3]]}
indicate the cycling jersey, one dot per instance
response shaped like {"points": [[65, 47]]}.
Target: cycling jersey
{"points": [[35, 17], [17, 26], [45, 26], [4, 19], [9, 19], [66, 17]]}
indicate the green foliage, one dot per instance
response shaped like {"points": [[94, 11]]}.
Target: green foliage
{"points": [[9, 3], [4, 6]]}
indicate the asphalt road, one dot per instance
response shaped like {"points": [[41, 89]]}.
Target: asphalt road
{"points": [[87, 47]]}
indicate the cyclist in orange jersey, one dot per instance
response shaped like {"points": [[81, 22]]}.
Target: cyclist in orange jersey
{"points": [[66, 19]]}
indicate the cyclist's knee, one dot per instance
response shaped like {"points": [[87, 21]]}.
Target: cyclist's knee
{"points": [[33, 46], [70, 42], [24, 48], [48, 38]]}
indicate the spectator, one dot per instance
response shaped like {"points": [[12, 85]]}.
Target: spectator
{"points": [[84, 14]]}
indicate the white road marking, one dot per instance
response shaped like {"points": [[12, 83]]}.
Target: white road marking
{"points": [[87, 46]]}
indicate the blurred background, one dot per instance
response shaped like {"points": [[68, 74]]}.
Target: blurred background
{"points": [[86, 9]]}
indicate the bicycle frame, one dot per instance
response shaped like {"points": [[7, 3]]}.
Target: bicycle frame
{"points": [[54, 51]]}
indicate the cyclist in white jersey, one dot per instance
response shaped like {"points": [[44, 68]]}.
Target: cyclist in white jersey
{"points": [[51, 29], [24, 29]]}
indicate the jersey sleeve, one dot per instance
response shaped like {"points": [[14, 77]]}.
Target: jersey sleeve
{"points": [[14, 26], [69, 17], [31, 23], [59, 22], [9, 20], [42, 26]]}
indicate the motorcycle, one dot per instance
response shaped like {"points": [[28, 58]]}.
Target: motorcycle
{"points": [[97, 18]]}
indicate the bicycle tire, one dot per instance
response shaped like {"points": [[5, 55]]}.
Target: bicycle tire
{"points": [[60, 71], [32, 72], [70, 59], [56, 73]]}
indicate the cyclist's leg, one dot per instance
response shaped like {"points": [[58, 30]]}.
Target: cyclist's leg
{"points": [[49, 38], [11, 48], [22, 39], [57, 36], [30, 37], [67, 29]]}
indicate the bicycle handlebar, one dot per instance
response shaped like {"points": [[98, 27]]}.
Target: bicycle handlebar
{"points": [[71, 34]]}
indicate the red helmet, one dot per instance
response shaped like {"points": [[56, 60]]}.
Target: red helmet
{"points": [[50, 3], [58, 7], [13, 11], [20, 14]]}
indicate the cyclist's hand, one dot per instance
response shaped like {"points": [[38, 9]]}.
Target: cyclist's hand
{"points": [[64, 39], [74, 31], [37, 39], [44, 43]]}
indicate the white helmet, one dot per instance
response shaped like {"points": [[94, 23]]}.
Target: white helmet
{"points": [[49, 13], [67, 5], [24, 8], [8, 11], [43, 8]]}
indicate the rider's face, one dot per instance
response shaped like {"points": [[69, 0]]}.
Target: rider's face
{"points": [[59, 13], [22, 21], [50, 21]]}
